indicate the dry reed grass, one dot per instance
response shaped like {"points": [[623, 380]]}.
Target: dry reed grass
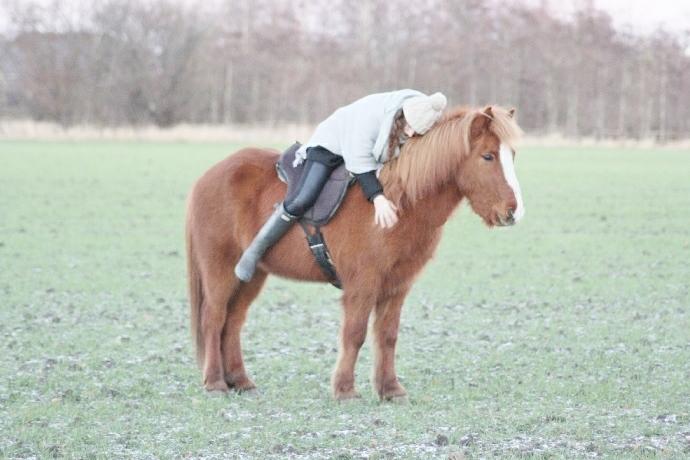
{"points": [[260, 135]]}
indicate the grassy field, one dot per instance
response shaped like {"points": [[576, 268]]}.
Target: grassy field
{"points": [[566, 336]]}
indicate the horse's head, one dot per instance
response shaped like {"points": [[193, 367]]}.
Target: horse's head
{"points": [[471, 149], [486, 173]]}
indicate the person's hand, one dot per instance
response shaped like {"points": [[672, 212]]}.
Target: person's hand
{"points": [[385, 212]]}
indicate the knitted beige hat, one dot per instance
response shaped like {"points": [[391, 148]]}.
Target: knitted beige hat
{"points": [[421, 112]]}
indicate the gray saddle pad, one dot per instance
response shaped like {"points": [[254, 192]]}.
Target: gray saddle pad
{"points": [[331, 196]]}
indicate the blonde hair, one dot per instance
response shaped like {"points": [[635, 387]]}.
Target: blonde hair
{"points": [[397, 130]]}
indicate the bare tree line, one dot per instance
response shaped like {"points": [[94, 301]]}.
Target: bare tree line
{"points": [[128, 62]]}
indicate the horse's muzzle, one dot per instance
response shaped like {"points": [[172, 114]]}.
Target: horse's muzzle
{"points": [[507, 220]]}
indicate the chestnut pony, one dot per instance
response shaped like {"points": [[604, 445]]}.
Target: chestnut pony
{"points": [[467, 154]]}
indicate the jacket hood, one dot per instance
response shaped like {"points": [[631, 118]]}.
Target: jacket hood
{"points": [[393, 103]]}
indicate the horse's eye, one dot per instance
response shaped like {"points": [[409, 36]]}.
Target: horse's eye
{"points": [[488, 156]]}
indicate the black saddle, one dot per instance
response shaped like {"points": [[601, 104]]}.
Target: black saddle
{"points": [[331, 195], [323, 210]]}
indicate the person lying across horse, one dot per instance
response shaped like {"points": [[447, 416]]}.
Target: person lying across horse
{"points": [[364, 135]]}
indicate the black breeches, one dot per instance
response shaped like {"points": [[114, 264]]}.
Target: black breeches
{"points": [[314, 177], [317, 169]]}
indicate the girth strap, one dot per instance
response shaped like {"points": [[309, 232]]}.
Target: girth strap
{"points": [[318, 248]]}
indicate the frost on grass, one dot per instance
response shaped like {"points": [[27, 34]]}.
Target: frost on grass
{"points": [[558, 338]]}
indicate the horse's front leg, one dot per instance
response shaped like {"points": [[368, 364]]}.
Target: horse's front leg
{"points": [[386, 324], [353, 333]]}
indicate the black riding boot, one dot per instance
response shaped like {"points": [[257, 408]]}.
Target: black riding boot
{"points": [[311, 182]]}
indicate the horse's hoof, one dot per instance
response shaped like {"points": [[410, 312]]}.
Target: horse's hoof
{"points": [[392, 392], [397, 399], [240, 385], [219, 387], [349, 395]]}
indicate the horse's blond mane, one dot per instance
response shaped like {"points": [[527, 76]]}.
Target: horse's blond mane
{"points": [[428, 162]]}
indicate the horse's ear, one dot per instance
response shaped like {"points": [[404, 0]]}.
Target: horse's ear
{"points": [[481, 122], [511, 112]]}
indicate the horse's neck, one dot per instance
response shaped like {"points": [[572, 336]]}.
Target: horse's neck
{"points": [[435, 208]]}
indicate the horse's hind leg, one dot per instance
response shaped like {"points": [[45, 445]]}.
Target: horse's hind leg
{"points": [[235, 373], [219, 285]]}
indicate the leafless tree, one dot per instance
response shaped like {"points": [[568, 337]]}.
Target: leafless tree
{"points": [[128, 62]]}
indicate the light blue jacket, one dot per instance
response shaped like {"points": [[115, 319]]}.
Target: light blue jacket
{"points": [[359, 131]]}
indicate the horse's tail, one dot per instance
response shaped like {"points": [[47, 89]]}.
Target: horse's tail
{"points": [[195, 292]]}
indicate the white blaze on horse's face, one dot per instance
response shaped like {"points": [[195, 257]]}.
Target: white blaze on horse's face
{"points": [[507, 164]]}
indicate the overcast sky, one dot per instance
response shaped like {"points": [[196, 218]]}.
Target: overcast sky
{"points": [[636, 16]]}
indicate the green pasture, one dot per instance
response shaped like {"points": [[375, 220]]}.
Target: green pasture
{"points": [[565, 336]]}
